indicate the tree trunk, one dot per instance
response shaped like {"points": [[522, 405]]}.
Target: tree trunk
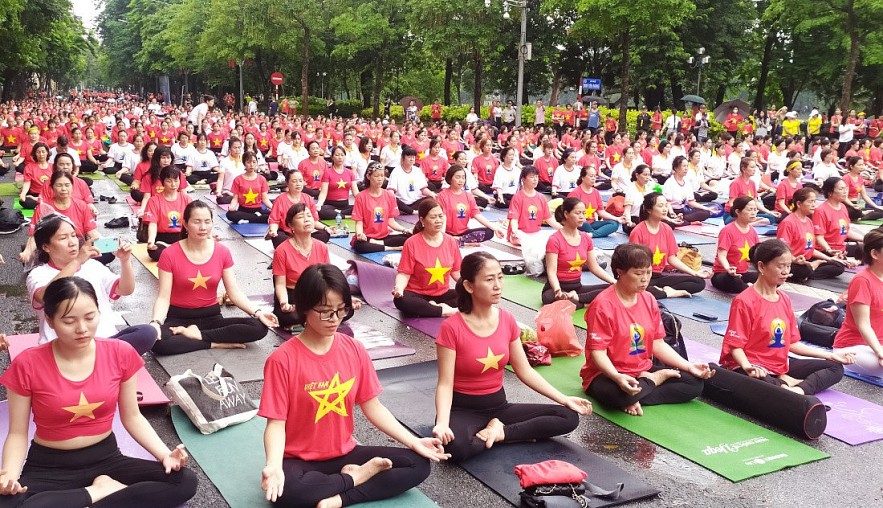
{"points": [[721, 92], [624, 79], [556, 86], [378, 85], [449, 76], [653, 97], [854, 44], [676, 93], [877, 103], [476, 87], [759, 98], [305, 71]]}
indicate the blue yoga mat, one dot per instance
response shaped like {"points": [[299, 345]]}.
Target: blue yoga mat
{"points": [[685, 307], [247, 230], [878, 381], [714, 221], [692, 239], [719, 328], [343, 243], [766, 230], [610, 242]]}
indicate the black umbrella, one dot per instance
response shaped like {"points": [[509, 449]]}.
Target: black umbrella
{"points": [[695, 99], [589, 99]]}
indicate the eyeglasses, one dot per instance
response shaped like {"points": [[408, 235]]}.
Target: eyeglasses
{"points": [[328, 315]]}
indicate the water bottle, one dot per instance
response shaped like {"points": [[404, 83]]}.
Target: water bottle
{"points": [[338, 220]]}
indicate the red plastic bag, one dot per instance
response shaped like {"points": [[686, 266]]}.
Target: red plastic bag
{"points": [[548, 472], [555, 329]]}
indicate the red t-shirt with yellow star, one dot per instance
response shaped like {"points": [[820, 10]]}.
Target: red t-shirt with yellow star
{"points": [[339, 184], [288, 262], [316, 395], [764, 330], [430, 268], [662, 244], [570, 258], [458, 208], [625, 333], [248, 192], [194, 286], [740, 188], [168, 215], [737, 245], [65, 409], [479, 363], [592, 200]]}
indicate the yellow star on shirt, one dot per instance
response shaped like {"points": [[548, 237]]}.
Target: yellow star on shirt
{"points": [[199, 281], [438, 272], [577, 264], [84, 408], [658, 257], [616, 157], [164, 139], [341, 184], [338, 405], [590, 211], [491, 361], [744, 250], [11, 139], [251, 196]]}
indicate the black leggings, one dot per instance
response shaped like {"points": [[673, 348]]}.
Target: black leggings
{"points": [[730, 284], [330, 209], [857, 214], [363, 247], [521, 422], [166, 238], [826, 270], [408, 209], [323, 236], [30, 201], [673, 391], [60, 477], [196, 175], [586, 293], [417, 305], [255, 215], [286, 319], [688, 283], [705, 196], [308, 482], [213, 326], [87, 166], [694, 215], [136, 195], [127, 178], [817, 374]]}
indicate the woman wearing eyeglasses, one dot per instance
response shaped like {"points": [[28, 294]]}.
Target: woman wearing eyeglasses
{"points": [[312, 458]]}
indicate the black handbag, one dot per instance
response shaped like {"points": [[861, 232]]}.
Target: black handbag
{"points": [[141, 233]]}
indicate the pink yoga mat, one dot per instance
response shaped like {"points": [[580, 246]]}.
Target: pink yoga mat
{"points": [[214, 199], [152, 393]]}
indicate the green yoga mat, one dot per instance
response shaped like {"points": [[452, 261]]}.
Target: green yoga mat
{"points": [[877, 222], [716, 440], [24, 211], [348, 223], [9, 189], [529, 293], [233, 458]]}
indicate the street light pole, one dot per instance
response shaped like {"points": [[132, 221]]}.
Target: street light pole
{"points": [[241, 96], [522, 50]]}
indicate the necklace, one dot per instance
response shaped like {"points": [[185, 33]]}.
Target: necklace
{"points": [[304, 251]]}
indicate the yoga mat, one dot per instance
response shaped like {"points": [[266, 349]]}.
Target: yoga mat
{"points": [[610, 242], [409, 393], [852, 420], [714, 221], [248, 230], [766, 230], [693, 239], [134, 205], [28, 213], [836, 285], [9, 189], [378, 345], [877, 381], [139, 252], [731, 447], [799, 302], [528, 293], [377, 257], [264, 246], [239, 480], [719, 328], [114, 179], [214, 199], [877, 222], [151, 392], [685, 307], [244, 364], [346, 222]]}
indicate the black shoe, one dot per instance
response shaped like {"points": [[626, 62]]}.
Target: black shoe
{"points": [[119, 222], [110, 200]]}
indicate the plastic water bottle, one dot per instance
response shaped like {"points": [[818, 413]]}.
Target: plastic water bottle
{"points": [[338, 220]]}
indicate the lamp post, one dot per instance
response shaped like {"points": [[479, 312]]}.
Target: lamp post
{"points": [[323, 82], [523, 49], [699, 61]]}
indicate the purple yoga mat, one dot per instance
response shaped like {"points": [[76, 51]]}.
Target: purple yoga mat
{"points": [[799, 302], [376, 283], [852, 420]]}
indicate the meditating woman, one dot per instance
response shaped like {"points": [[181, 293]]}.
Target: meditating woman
{"points": [[626, 334], [730, 271], [678, 190], [460, 207], [140, 170], [599, 222], [204, 162], [505, 183], [189, 273], [150, 183], [435, 165], [72, 388], [163, 214], [80, 190], [863, 327], [430, 260], [481, 199], [313, 168], [859, 205], [473, 347], [231, 167], [409, 183], [658, 236], [566, 175], [374, 213], [484, 165], [743, 185], [36, 174], [528, 209], [278, 231], [798, 233], [762, 330], [251, 194], [312, 457], [338, 182], [787, 187], [567, 251], [834, 235]]}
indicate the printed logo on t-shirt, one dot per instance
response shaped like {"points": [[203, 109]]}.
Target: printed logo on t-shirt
{"points": [[43, 178], [174, 219], [84, 408], [315, 175], [531, 212], [491, 361], [488, 168], [809, 242], [331, 395], [437, 273], [378, 215], [461, 211], [636, 336], [410, 185], [843, 227], [777, 333]]}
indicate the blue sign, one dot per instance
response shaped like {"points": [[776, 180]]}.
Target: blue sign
{"points": [[591, 84]]}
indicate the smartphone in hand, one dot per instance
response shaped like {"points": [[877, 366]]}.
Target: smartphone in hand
{"points": [[106, 245]]}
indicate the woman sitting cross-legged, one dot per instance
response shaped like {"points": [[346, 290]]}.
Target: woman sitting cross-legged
{"points": [[797, 231], [251, 193], [163, 213], [374, 213], [338, 181], [599, 223], [312, 457], [278, 231], [625, 332], [460, 207], [474, 346], [730, 272]]}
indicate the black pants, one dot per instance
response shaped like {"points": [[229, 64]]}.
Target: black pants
{"points": [[140, 337], [330, 209], [817, 374], [30, 201], [127, 178], [136, 195], [417, 305], [826, 270], [308, 482], [312, 192], [857, 214], [705, 196], [586, 293], [504, 202], [408, 209], [116, 168], [59, 478], [286, 319], [434, 186], [393, 240], [544, 187], [730, 284], [674, 391], [196, 175], [87, 166], [165, 238], [322, 236], [480, 201], [693, 215], [688, 283], [521, 422], [214, 328], [254, 215]]}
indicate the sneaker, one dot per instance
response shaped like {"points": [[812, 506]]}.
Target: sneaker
{"points": [[242, 221], [119, 222]]}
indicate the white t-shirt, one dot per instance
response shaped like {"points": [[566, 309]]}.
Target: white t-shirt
{"points": [[822, 171], [620, 177], [676, 193], [506, 180], [564, 180], [203, 161], [117, 154], [183, 155], [407, 186], [231, 170], [197, 114], [776, 162], [662, 165], [391, 157], [73, 153]]}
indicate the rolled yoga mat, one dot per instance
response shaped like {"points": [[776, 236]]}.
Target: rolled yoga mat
{"points": [[409, 393]]}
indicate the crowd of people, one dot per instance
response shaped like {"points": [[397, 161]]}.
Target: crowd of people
{"points": [[582, 176]]}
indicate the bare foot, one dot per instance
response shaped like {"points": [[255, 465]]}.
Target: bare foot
{"points": [[331, 502], [492, 433], [447, 310], [227, 345], [671, 292], [191, 332], [795, 389], [661, 375], [634, 410], [102, 487], [363, 473]]}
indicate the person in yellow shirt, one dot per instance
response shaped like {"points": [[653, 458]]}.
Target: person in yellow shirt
{"points": [[814, 124], [791, 125]]}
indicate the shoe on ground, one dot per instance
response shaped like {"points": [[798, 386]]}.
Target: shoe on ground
{"points": [[119, 222]]}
